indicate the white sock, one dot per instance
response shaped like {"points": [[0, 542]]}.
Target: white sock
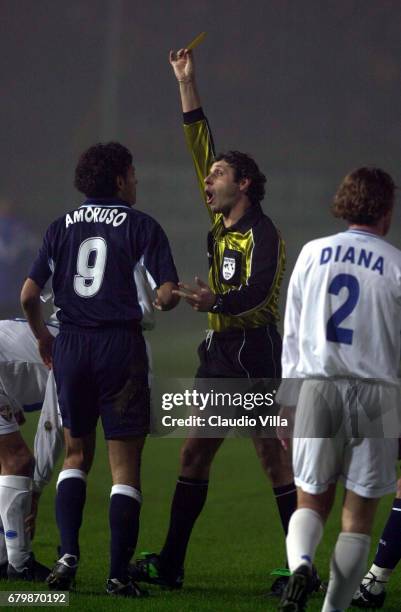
{"points": [[347, 568], [305, 531], [382, 574], [3, 547], [122, 489], [71, 473], [15, 505]]}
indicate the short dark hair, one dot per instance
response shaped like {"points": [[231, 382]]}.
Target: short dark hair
{"points": [[246, 167], [98, 168], [364, 196]]}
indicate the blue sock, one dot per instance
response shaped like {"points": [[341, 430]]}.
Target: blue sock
{"points": [[389, 549], [125, 506], [70, 501]]}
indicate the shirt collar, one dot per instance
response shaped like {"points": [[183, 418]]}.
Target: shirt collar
{"points": [[105, 202], [248, 219], [364, 233]]}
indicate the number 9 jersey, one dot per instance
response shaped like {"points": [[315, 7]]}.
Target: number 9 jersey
{"points": [[343, 310], [94, 253]]}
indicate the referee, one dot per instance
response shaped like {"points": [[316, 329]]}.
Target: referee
{"points": [[246, 265]]}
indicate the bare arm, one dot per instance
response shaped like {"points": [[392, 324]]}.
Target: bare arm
{"points": [[183, 65], [196, 127], [166, 298], [30, 302]]}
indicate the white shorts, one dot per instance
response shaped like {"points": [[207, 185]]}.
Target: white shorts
{"points": [[366, 465]]}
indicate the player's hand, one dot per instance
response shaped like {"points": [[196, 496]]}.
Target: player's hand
{"points": [[285, 434], [20, 417], [30, 521], [45, 346], [166, 298], [157, 303], [201, 298], [182, 62]]}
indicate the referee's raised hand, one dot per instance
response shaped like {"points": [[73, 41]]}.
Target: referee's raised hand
{"points": [[182, 62]]}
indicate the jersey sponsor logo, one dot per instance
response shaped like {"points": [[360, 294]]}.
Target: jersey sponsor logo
{"points": [[6, 413], [11, 534], [359, 257], [92, 214], [231, 267]]}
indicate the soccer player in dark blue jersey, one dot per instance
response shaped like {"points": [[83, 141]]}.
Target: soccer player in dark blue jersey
{"points": [[99, 358]]}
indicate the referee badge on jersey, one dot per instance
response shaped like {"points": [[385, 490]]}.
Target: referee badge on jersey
{"points": [[230, 271]]}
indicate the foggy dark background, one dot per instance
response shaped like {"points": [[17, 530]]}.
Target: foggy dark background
{"points": [[311, 89]]}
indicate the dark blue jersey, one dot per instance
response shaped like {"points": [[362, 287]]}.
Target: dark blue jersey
{"points": [[93, 253]]}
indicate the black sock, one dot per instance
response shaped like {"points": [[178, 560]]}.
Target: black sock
{"points": [[70, 501], [389, 549], [124, 526], [188, 501], [286, 499]]}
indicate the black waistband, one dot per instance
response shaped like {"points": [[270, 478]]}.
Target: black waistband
{"points": [[131, 326], [235, 332]]}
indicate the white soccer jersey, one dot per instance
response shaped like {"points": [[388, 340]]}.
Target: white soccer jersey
{"points": [[49, 439], [25, 384], [146, 290], [23, 375], [343, 310]]}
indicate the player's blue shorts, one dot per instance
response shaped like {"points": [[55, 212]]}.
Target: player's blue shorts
{"points": [[102, 372]]}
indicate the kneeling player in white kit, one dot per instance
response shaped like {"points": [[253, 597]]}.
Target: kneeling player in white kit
{"points": [[342, 329], [25, 384]]}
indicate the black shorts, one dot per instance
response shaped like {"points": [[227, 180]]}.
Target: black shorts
{"points": [[240, 363], [102, 372], [242, 353]]}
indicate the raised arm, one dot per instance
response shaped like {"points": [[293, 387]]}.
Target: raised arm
{"points": [[183, 65], [196, 128]]}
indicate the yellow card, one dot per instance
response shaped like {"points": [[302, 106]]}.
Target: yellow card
{"points": [[196, 41]]}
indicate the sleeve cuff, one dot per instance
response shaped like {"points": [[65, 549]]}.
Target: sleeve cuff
{"points": [[218, 306], [193, 116], [39, 281]]}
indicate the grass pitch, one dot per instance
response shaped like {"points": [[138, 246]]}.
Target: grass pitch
{"points": [[236, 542]]}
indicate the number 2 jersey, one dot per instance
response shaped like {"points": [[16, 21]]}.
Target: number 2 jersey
{"points": [[343, 311], [99, 255]]}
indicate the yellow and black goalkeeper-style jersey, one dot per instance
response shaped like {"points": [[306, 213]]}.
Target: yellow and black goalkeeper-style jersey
{"points": [[246, 260]]}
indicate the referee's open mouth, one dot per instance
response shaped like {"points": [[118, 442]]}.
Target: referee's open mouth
{"points": [[209, 196]]}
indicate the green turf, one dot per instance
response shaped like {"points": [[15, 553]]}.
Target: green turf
{"points": [[236, 542]]}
